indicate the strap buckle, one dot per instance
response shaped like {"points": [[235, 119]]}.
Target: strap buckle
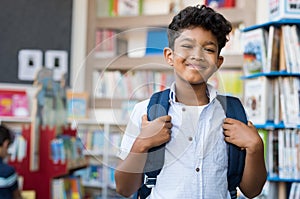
{"points": [[149, 182]]}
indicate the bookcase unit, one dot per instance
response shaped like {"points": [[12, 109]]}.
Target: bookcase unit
{"points": [[101, 141], [123, 63], [274, 105], [40, 180], [150, 62]]}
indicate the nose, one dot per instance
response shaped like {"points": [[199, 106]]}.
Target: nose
{"points": [[198, 54]]}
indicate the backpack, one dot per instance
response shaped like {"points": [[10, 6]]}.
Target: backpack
{"points": [[159, 106]]}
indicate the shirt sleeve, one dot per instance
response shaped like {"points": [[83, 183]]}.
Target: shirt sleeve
{"points": [[132, 129], [10, 179]]}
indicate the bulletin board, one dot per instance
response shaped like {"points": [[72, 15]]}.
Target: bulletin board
{"points": [[32, 24]]}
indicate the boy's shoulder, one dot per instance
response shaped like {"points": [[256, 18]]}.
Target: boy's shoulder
{"points": [[6, 170]]}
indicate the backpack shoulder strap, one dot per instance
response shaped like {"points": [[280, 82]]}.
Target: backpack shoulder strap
{"points": [[236, 157], [158, 106]]}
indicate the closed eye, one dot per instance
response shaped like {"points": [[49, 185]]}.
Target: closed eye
{"points": [[187, 46], [209, 50]]}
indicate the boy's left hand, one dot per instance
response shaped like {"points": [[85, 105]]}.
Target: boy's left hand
{"points": [[240, 134]]}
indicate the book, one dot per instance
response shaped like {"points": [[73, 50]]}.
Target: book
{"points": [[58, 188], [295, 45], [273, 158], [288, 50], [281, 154], [156, 41], [273, 49], [282, 59], [220, 3], [77, 103], [258, 100], [254, 51], [106, 43], [264, 136], [14, 103], [155, 7], [124, 7], [98, 140], [129, 7], [103, 8], [289, 100]]}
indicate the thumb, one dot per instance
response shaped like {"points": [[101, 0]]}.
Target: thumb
{"points": [[144, 118], [250, 124]]}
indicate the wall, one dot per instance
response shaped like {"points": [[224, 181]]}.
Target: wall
{"points": [[32, 24]]}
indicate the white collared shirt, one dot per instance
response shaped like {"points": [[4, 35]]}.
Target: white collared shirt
{"points": [[196, 158]]}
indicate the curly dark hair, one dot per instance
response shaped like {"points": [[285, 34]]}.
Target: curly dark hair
{"points": [[5, 134], [200, 16]]}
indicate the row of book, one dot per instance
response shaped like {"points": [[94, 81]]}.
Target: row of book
{"points": [[66, 148], [130, 85], [93, 176], [283, 149], [273, 99], [273, 49], [68, 187], [18, 149], [14, 103], [119, 7], [94, 141], [150, 7], [133, 43], [149, 41]]}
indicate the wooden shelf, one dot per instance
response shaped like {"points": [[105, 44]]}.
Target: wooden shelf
{"points": [[127, 22], [15, 119], [154, 62]]}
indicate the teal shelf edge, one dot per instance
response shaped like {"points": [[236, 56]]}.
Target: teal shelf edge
{"points": [[272, 125], [275, 23], [277, 179], [271, 74]]}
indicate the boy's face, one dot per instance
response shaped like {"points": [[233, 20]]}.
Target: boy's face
{"points": [[195, 56], [4, 149]]}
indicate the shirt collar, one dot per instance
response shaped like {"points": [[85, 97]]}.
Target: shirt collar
{"points": [[211, 92]]}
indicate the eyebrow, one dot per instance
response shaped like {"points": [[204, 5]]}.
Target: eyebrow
{"points": [[192, 40]]}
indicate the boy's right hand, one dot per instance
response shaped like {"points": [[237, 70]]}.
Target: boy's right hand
{"points": [[154, 133]]}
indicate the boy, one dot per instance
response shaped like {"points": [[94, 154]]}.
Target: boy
{"points": [[8, 177], [196, 129]]}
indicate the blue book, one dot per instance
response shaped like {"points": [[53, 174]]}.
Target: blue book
{"points": [[157, 40]]}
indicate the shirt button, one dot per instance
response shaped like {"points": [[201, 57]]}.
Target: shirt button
{"points": [[183, 109], [197, 169], [190, 139]]}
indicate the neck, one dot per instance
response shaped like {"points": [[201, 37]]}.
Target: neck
{"points": [[192, 95]]}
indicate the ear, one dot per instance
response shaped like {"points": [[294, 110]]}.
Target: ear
{"points": [[5, 144], [168, 54], [220, 61]]}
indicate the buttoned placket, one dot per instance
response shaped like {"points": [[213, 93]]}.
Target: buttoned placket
{"points": [[196, 139]]}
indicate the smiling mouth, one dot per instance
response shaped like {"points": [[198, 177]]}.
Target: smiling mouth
{"points": [[198, 67]]}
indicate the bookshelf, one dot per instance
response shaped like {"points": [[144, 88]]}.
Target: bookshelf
{"points": [[122, 62], [280, 118], [40, 180], [149, 62], [101, 141]]}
